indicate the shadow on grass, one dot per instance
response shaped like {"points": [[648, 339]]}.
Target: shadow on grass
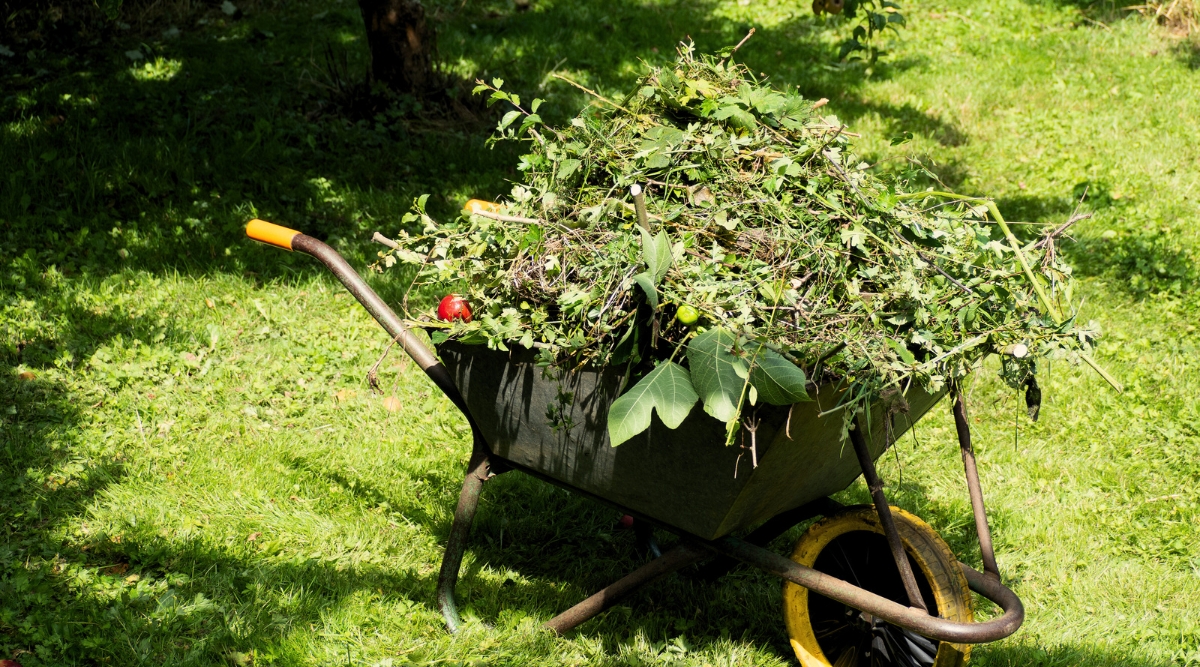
{"points": [[156, 164], [1140, 263], [44, 482], [1188, 52]]}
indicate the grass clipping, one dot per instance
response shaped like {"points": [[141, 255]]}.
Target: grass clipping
{"points": [[760, 259]]}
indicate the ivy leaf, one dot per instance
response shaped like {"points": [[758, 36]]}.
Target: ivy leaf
{"points": [[656, 252], [647, 284], [778, 381], [717, 374], [667, 388]]}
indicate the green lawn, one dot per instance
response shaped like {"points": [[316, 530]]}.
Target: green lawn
{"points": [[193, 471]]}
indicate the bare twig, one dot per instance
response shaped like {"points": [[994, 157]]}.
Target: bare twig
{"points": [[735, 49], [598, 96], [639, 205], [945, 275], [506, 218], [1058, 231], [383, 240], [751, 425], [373, 374]]}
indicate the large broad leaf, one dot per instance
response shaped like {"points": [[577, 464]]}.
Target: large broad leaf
{"points": [[656, 251], [717, 374], [778, 381], [667, 388]]}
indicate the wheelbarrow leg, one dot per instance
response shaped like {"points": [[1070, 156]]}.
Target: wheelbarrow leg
{"points": [[968, 456], [875, 484], [478, 471], [671, 560]]}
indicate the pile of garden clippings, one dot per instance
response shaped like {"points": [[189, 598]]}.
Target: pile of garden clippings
{"points": [[769, 257]]}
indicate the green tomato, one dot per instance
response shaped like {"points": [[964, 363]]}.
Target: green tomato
{"points": [[687, 315]]}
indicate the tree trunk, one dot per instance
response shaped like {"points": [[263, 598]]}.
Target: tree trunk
{"points": [[401, 44]]}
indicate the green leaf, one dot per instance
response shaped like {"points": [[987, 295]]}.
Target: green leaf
{"points": [[717, 374], [656, 252], [737, 117], [778, 381], [667, 388], [498, 83], [508, 119], [533, 106], [647, 284], [567, 167], [902, 351]]}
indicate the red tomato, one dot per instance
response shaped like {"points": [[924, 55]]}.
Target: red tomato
{"points": [[454, 307]]}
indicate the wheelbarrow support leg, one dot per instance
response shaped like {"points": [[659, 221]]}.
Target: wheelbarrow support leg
{"points": [[671, 560], [968, 456], [478, 471], [875, 484]]}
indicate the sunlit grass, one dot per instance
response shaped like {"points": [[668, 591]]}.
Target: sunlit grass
{"points": [[159, 69], [197, 473]]}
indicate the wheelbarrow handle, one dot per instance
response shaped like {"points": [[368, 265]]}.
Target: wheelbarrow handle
{"points": [[290, 239]]}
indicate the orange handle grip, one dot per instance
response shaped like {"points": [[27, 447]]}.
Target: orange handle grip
{"points": [[269, 232]]}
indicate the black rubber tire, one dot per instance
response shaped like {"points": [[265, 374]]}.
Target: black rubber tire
{"points": [[941, 580]]}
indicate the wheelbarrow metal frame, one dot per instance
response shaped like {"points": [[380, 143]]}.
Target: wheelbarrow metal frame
{"points": [[484, 464]]}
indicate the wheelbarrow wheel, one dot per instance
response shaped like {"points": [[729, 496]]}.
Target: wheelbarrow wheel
{"points": [[851, 546]]}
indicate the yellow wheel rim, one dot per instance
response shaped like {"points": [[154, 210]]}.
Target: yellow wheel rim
{"points": [[935, 566]]}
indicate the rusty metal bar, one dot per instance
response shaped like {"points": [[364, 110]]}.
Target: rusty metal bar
{"points": [[769, 530], [977, 507], [935, 628], [478, 471], [673, 559], [875, 484]]}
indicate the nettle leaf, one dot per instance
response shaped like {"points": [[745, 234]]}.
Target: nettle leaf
{"points": [[656, 252], [667, 388], [778, 381], [717, 374], [646, 282]]}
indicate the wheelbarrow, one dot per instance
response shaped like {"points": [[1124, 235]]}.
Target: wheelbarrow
{"points": [[910, 603]]}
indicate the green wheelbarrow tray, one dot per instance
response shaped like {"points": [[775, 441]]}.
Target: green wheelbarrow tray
{"points": [[685, 479], [553, 424]]}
